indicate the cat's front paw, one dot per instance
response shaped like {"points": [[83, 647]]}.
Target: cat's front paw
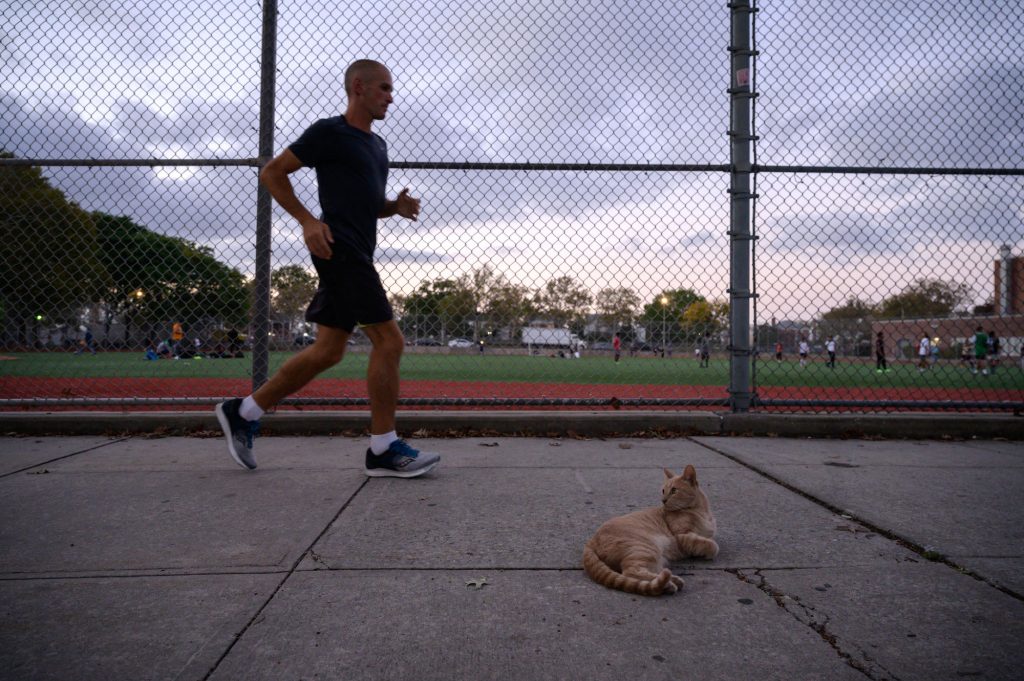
{"points": [[710, 549]]}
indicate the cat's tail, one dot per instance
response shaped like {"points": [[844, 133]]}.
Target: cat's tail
{"points": [[599, 571]]}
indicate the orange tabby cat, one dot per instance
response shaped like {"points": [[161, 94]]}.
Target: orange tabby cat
{"points": [[631, 552]]}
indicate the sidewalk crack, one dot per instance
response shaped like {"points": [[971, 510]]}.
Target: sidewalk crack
{"points": [[819, 622], [317, 558]]}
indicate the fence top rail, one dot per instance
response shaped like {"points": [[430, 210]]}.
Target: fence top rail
{"points": [[554, 167], [408, 165], [125, 162], [883, 170]]}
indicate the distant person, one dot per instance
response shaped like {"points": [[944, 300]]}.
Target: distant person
{"points": [[830, 348], [994, 347], [778, 352], [234, 344], [980, 351], [967, 353], [164, 349], [617, 347], [934, 359], [351, 164], [705, 350], [177, 336], [87, 343], [924, 351], [804, 350], [880, 363]]}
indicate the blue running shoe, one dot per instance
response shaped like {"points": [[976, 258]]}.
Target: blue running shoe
{"points": [[239, 432], [400, 461]]}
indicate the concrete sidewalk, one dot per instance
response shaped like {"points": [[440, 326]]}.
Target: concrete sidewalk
{"points": [[158, 558]]}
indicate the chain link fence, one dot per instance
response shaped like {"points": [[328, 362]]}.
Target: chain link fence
{"points": [[890, 211], [574, 166]]}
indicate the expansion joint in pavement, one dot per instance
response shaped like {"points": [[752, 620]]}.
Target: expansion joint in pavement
{"points": [[258, 615], [924, 552], [40, 464], [819, 623]]}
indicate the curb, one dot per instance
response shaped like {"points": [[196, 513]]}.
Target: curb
{"points": [[542, 423]]}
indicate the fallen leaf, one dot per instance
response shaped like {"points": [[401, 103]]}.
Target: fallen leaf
{"points": [[478, 583], [489, 444], [623, 445]]}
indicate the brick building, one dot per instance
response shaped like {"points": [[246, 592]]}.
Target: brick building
{"points": [[1007, 318], [1009, 280]]}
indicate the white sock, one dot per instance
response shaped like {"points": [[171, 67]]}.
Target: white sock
{"points": [[250, 411], [380, 443]]}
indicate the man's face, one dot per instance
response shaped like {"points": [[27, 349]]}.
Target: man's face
{"points": [[376, 93]]}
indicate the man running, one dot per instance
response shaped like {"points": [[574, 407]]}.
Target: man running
{"points": [[351, 164]]}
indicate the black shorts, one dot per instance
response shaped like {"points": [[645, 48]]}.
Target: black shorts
{"points": [[349, 294]]}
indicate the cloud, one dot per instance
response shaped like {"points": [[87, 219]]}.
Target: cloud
{"points": [[532, 81], [973, 119], [839, 237]]}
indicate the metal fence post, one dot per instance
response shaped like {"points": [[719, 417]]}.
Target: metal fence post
{"points": [[261, 313], [740, 136]]}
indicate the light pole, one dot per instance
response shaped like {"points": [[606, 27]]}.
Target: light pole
{"points": [[664, 325]]}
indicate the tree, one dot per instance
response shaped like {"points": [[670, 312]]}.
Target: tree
{"points": [[850, 321], [702, 316], [617, 306], [925, 298], [565, 302], [157, 279], [439, 306], [49, 252], [479, 284], [291, 289], [510, 306], [663, 319]]}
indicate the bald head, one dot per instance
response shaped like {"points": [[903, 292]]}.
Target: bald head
{"points": [[364, 70]]}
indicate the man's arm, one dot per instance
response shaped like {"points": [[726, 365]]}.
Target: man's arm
{"points": [[274, 177], [405, 205]]}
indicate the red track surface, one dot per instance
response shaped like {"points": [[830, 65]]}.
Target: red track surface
{"points": [[57, 388]]}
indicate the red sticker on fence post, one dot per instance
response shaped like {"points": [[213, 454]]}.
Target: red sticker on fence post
{"points": [[743, 77]]}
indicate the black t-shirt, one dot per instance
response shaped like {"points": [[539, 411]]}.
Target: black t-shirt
{"points": [[351, 173]]}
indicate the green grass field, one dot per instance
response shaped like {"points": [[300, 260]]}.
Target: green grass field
{"points": [[473, 367]]}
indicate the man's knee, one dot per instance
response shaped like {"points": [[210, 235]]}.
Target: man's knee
{"points": [[326, 356], [391, 345]]}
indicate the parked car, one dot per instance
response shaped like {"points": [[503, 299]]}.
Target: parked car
{"points": [[460, 343], [305, 339]]}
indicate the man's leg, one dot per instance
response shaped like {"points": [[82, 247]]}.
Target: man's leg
{"points": [[382, 375], [240, 418], [388, 455], [303, 367]]}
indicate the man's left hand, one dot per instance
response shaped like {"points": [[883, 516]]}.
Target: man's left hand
{"points": [[407, 206]]}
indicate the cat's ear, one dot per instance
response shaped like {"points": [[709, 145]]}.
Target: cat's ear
{"points": [[690, 475], [668, 473]]}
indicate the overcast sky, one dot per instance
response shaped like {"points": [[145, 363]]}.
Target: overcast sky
{"points": [[864, 84]]}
